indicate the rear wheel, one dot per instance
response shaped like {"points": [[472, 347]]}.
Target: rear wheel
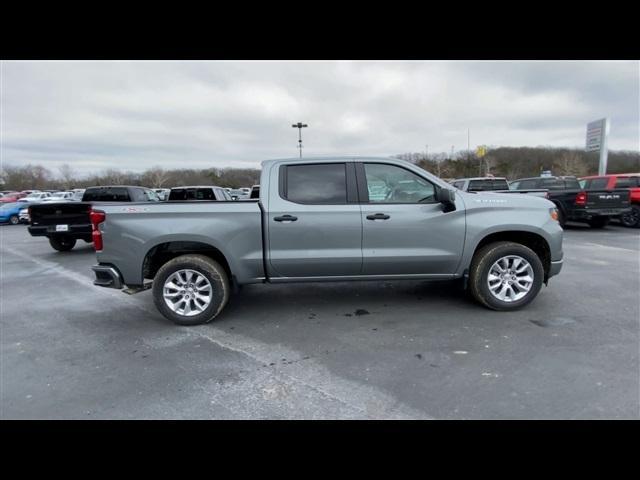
{"points": [[14, 220], [62, 244], [505, 276], [191, 289], [599, 222], [632, 217]]}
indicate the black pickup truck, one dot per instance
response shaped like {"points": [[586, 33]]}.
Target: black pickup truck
{"points": [[64, 223], [594, 207]]}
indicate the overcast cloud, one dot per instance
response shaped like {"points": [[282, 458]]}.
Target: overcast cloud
{"points": [[134, 115]]}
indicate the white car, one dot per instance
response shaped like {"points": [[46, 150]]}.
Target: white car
{"points": [[35, 197], [60, 197], [23, 216]]}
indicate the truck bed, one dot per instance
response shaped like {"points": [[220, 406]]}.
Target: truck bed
{"points": [[134, 230]]}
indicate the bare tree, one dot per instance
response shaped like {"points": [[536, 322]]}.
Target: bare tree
{"points": [[68, 175], [157, 177]]}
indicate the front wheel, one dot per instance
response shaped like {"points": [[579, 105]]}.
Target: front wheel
{"points": [[191, 289], [632, 217], [505, 275], [62, 244], [14, 220]]}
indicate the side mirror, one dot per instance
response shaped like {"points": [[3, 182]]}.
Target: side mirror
{"points": [[447, 197]]}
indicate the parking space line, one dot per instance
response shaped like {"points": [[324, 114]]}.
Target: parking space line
{"points": [[369, 401]]}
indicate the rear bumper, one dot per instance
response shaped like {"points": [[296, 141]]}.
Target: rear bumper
{"points": [[107, 276], [76, 231], [587, 214]]}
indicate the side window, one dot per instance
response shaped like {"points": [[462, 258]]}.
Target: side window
{"points": [[625, 182], [572, 183], [393, 184], [527, 184], [458, 185], [514, 185], [138, 195], [319, 184]]}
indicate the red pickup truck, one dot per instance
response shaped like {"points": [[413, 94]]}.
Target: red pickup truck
{"points": [[619, 180]]}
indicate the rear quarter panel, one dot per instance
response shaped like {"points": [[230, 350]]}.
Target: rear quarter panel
{"points": [[234, 228]]}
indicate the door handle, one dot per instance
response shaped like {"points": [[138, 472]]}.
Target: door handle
{"points": [[378, 216], [285, 218]]}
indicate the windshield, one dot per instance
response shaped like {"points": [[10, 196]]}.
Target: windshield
{"points": [[8, 206]]}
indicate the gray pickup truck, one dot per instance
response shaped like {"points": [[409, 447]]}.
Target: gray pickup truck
{"points": [[329, 219]]}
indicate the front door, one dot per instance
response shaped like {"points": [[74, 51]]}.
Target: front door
{"points": [[314, 222], [405, 230]]}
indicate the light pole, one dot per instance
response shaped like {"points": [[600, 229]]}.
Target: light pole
{"points": [[300, 126]]}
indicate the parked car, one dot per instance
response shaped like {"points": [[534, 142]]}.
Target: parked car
{"points": [[238, 194], [23, 216], [481, 184], [10, 197], [199, 192], [631, 218], [163, 193], [35, 197], [60, 197], [9, 212], [63, 223], [594, 207], [318, 221]]}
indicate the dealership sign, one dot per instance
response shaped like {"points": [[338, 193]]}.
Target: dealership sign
{"points": [[597, 134]]}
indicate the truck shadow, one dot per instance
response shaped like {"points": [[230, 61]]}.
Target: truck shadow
{"points": [[345, 299]]}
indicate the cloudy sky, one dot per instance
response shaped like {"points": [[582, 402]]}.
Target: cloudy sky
{"points": [[134, 115]]}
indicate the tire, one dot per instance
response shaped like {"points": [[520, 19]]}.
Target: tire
{"points": [[631, 219], [180, 267], [14, 220], [599, 222], [483, 263], [62, 243]]}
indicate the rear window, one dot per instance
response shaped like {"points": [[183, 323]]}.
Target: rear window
{"points": [[192, 194], [627, 182], [316, 184], [488, 184], [552, 184], [597, 183], [525, 184], [106, 194]]}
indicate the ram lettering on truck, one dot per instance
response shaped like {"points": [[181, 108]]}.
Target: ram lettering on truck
{"points": [[330, 219]]}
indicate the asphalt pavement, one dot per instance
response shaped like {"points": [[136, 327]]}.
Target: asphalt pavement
{"points": [[404, 349]]}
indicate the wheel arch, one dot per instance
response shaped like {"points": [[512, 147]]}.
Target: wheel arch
{"points": [[163, 252], [532, 240]]}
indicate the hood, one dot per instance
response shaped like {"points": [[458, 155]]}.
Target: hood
{"points": [[505, 200]]}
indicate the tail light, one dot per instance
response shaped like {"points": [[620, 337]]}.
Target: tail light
{"points": [[96, 218], [581, 198]]}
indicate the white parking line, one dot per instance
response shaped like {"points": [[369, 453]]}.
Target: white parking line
{"points": [[315, 380]]}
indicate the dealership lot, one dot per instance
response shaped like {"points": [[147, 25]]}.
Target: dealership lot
{"points": [[336, 350]]}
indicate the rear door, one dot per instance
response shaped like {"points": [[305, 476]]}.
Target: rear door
{"points": [[405, 230], [313, 222]]}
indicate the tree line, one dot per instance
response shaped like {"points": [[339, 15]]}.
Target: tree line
{"points": [[37, 177], [510, 162], [521, 162]]}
